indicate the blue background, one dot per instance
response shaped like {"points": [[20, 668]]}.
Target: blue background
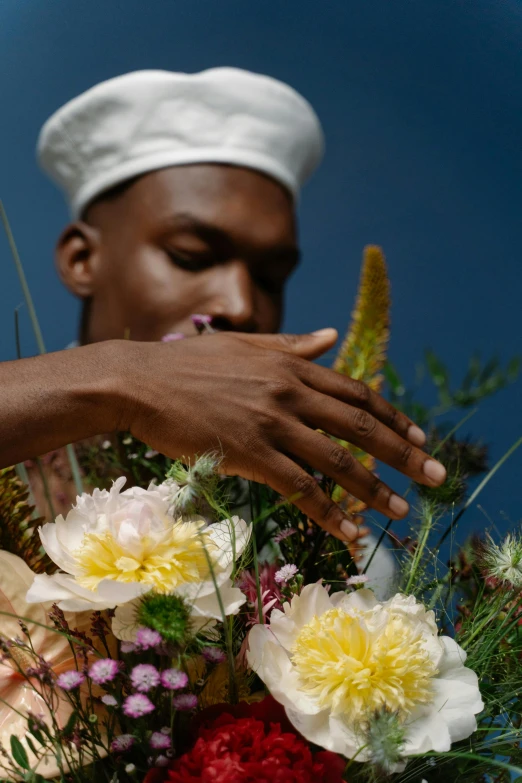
{"points": [[421, 105]]}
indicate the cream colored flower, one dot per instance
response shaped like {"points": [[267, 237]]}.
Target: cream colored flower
{"points": [[333, 661], [115, 546], [18, 696]]}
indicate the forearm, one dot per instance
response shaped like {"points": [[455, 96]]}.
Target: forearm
{"points": [[49, 401]]}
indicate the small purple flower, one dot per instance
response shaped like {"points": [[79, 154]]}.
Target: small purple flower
{"points": [[285, 574], [173, 679], [137, 705], [172, 336], [213, 654], [104, 670], [127, 647], [160, 741], [70, 680], [162, 761], [144, 677], [359, 579], [284, 534], [109, 700], [146, 638], [185, 702], [201, 320], [122, 743]]}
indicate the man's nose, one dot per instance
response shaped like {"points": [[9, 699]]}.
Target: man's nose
{"points": [[232, 300]]}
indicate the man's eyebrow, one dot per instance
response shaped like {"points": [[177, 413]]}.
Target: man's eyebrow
{"points": [[217, 236]]}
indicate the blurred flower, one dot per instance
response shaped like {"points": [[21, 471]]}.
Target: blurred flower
{"points": [[172, 337], [168, 615], [109, 700], [20, 697], [104, 670], [185, 701], [213, 654], [354, 581], [333, 660], [137, 705], [173, 679], [286, 573], [70, 680], [194, 483], [144, 677], [160, 741], [147, 639], [249, 743], [122, 743], [385, 740], [504, 562]]}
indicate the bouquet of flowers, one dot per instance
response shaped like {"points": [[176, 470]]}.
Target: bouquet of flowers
{"points": [[194, 628]]}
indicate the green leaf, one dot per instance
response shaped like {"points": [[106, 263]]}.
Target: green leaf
{"points": [[393, 379], [438, 371], [19, 753]]}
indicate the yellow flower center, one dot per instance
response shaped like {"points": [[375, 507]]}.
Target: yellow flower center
{"points": [[353, 670], [176, 558]]}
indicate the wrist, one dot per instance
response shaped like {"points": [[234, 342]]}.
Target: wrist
{"points": [[110, 391]]}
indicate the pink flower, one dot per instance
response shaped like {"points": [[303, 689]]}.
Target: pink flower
{"points": [[160, 741], [286, 573], [185, 702], [70, 680], [146, 638], [359, 579], [122, 743], [137, 705], [173, 679], [144, 677], [171, 336], [213, 654], [271, 596], [109, 700], [127, 647], [104, 670]]}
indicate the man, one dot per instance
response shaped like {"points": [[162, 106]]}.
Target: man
{"points": [[182, 189]]}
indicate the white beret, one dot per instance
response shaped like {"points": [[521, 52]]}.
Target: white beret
{"points": [[148, 120]]}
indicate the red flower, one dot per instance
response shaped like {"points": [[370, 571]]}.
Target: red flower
{"points": [[250, 743]]}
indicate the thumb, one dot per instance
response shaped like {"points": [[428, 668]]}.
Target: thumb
{"points": [[307, 346]]}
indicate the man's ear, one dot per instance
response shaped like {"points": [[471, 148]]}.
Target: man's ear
{"points": [[77, 258]]}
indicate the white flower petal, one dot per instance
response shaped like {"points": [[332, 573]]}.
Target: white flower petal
{"points": [[313, 601], [54, 548], [208, 606], [226, 533]]}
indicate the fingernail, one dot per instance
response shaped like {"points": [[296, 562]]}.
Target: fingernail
{"points": [[398, 506], [416, 436], [434, 471], [349, 530], [324, 332]]}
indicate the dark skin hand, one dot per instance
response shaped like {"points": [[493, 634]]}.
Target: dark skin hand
{"points": [[221, 241]]}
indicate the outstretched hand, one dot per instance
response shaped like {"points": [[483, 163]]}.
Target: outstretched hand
{"points": [[260, 401]]}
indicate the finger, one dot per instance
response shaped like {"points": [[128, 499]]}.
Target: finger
{"points": [[338, 462], [307, 346], [297, 486], [358, 394], [364, 430]]}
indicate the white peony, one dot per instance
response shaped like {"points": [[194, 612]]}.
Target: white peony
{"points": [[115, 546], [333, 661]]}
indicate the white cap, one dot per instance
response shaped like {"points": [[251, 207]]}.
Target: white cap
{"points": [[148, 120]]}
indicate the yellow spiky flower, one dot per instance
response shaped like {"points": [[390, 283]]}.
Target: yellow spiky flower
{"points": [[18, 527], [363, 352]]}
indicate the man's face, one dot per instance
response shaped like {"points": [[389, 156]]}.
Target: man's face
{"points": [[210, 239]]}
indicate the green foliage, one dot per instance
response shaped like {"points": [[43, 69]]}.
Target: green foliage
{"points": [[479, 382]]}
